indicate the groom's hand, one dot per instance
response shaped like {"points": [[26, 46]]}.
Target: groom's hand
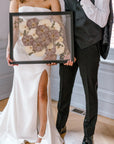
{"points": [[70, 63]]}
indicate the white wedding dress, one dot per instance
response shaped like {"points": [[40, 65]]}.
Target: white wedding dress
{"points": [[19, 120]]}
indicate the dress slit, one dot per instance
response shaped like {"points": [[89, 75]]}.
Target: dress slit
{"points": [[38, 121]]}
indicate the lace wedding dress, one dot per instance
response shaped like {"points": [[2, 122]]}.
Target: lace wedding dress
{"points": [[19, 120]]}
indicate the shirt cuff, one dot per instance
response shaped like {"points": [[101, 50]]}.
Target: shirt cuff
{"points": [[88, 6], [85, 2]]}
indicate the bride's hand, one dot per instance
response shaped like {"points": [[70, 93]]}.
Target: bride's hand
{"points": [[8, 58], [52, 64]]}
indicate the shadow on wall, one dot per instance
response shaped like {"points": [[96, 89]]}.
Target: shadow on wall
{"points": [[4, 19], [6, 73]]}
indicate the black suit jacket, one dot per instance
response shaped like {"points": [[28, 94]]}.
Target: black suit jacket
{"points": [[104, 32], [105, 42]]}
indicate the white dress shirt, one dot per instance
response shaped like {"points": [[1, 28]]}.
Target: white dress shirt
{"points": [[98, 12]]}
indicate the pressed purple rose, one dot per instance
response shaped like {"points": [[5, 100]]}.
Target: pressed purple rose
{"points": [[44, 39], [52, 57], [32, 23], [27, 40], [42, 29], [50, 52], [54, 35], [37, 46]]}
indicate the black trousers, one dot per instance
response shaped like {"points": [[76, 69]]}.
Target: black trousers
{"points": [[88, 63]]}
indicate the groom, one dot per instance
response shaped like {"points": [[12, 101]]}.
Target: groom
{"points": [[90, 18]]}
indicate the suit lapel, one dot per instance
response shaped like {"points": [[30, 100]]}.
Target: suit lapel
{"points": [[105, 43]]}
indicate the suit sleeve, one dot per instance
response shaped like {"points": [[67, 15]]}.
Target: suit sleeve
{"points": [[67, 5], [98, 12]]}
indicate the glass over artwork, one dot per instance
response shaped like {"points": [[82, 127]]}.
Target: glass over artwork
{"points": [[41, 37]]}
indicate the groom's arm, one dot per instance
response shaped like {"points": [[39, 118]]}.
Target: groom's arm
{"points": [[68, 4], [98, 12]]}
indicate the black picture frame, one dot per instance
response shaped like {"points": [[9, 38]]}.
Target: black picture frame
{"points": [[11, 15]]}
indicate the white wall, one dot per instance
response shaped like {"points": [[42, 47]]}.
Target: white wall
{"points": [[4, 8], [105, 90], [6, 73]]}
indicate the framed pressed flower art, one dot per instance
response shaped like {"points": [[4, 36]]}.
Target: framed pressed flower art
{"points": [[41, 37]]}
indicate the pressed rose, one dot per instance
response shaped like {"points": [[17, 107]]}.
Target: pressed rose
{"points": [[44, 40], [54, 35], [37, 46], [29, 49], [45, 22], [50, 52], [40, 53], [51, 57], [42, 29], [33, 33], [32, 23], [50, 46], [59, 40], [27, 40]]}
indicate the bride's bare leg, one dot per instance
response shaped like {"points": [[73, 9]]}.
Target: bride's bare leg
{"points": [[42, 103]]}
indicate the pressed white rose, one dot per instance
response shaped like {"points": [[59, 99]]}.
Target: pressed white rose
{"points": [[21, 34], [57, 26], [32, 32], [50, 46], [23, 27], [28, 49], [60, 47], [59, 40], [45, 22], [40, 53]]}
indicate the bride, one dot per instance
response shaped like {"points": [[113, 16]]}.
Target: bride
{"points": [[28, 115]]}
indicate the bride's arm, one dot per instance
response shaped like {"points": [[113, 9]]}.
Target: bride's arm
{"points": [[55, 5], [13, 8]]}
